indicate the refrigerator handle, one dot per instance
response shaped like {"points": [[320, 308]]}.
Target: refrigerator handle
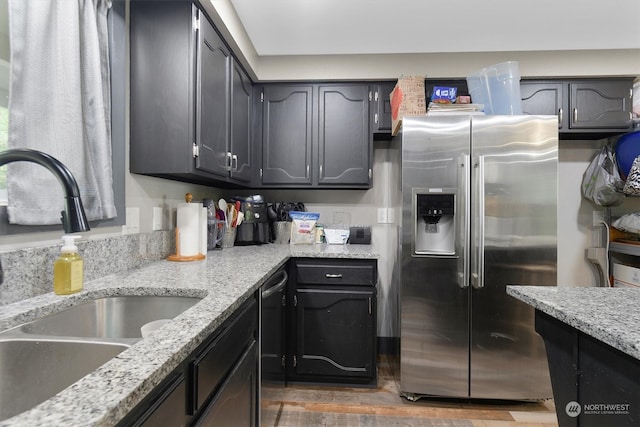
{"points": [[464, 224], [477, 274]]}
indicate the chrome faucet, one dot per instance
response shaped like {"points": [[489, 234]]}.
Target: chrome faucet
{"points": [[73, 218]]}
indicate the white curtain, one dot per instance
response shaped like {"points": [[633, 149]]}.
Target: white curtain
{"points": [[59, 103]]}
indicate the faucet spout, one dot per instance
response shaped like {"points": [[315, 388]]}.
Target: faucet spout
{"points": [[73, 218]]}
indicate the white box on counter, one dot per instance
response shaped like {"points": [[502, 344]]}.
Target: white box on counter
{"points": [[625, 276]]}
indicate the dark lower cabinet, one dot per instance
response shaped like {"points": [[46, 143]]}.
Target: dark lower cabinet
{"points": [[594, 384], [332, 326], [168, 408], [334, 334], [215, 385], [236, 402]]}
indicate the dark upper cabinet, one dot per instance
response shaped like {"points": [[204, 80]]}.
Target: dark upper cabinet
{"points": [[381, 111], [543, 98], [213, 66], [287, 114], [600, 104], [344, 136], [315, 136], [241, 113], [583, 106], [190, 101]]}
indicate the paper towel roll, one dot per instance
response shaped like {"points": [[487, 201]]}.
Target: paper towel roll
{"points": [[203, 231], [189, 227]]}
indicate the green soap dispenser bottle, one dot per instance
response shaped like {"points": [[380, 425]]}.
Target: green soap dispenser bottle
{"points": [[68, 269]]}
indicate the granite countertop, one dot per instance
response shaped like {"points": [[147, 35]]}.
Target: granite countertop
{"points": [[611, 315], [224, 280]]}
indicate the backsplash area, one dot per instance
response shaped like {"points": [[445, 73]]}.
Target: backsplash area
{"points": [[27, 273]]}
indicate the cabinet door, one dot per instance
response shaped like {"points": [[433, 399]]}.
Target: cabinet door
{"points": [[163, 54], [286, 140], [344, 135], [381, 121], [212, 101], [169, 410], [236, 402], [542, 98], [241, 92], [600, 105], [335, 332]]}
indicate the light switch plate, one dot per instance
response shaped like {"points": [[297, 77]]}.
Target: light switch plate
{"points": [[132, 225], [391, 216]]}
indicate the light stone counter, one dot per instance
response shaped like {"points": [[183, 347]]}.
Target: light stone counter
{"points": [[611, 315], [224, 280]]}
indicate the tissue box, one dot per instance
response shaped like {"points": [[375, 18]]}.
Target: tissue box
{"points": [[444, 95], [625, 276], [336, 236]]}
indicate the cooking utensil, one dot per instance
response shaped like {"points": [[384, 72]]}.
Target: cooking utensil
{"points": [[273, 215], [222, 205]]}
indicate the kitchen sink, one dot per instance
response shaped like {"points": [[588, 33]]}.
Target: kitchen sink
{"points": [[34, 370], [109, 317]]}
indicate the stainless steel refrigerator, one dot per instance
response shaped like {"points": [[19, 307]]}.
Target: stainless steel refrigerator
{"points": [[479, 198]]}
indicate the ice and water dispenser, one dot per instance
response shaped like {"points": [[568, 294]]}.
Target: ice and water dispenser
{"points": [[434, 223]]}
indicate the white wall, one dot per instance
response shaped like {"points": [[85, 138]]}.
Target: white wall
{"points": [[345, 67]]}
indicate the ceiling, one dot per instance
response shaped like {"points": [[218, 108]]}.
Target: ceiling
{"points": [[328, 27]]}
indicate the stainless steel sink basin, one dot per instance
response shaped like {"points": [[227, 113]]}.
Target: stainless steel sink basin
{"points": [[110, 317], [32, 371]]}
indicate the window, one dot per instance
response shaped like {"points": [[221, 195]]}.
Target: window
{"points": [[117, 51], [4, 92]]}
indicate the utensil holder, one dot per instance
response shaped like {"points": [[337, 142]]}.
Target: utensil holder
{"points": [[282, 231], [229, 238]]}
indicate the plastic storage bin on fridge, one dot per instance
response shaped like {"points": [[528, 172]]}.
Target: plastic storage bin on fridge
{"points": [[497, 87]]}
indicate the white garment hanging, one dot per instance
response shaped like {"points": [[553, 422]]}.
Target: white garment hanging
{"points": [[59, 104]]}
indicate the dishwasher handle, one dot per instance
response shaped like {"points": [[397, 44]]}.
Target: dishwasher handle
{"points": [[277, 287]]}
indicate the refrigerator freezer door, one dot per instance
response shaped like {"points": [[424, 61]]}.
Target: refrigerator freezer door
{"points": [[514, 191], [434, 291]]}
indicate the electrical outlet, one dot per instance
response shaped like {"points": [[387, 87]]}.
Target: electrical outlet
{"points": [[598, 218], [157, 219]]}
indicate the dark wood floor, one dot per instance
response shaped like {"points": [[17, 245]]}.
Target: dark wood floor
{"points": [[304, 405]]}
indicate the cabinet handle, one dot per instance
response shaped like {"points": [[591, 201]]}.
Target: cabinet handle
{"points": [[369, 306], [375, 118], [333, 276], [228, 161], [320, 171], [307, 171], [575, 115], [560, 113], [234, 163]]}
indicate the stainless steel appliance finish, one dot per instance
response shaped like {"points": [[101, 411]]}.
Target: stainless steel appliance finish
{"points": [[479, 212]]}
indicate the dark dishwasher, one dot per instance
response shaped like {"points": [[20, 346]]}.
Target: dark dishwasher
{"points": [[272, 345]]}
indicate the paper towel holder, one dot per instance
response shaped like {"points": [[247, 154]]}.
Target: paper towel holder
{"points": [[184, 258], [178, 257]]}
